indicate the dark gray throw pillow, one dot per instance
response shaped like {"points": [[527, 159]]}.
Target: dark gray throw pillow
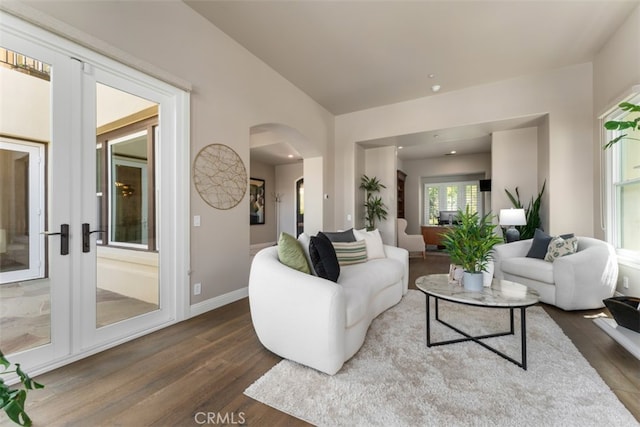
{"points": [[541, 242], [340, 236], [323, 257]]}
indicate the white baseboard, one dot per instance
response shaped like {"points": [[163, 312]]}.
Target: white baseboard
{"points": [[217, 302]]}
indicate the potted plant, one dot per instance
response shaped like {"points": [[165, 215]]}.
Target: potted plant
{"points": [[13, 401], [469, 244], [375, 209]]}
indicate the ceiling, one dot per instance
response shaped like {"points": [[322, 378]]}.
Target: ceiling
{"points": [[471, 139], [354, 55]]}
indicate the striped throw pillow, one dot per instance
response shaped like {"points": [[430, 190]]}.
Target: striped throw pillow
{"points": [[350, 252]]}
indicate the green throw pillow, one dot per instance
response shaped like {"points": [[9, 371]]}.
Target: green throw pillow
{"points": [[291, 254]]}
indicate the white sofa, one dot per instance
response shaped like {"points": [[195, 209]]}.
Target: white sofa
{"points": [[314, 321], [579, 281]]}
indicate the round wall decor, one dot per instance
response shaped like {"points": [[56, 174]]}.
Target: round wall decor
{"points": [[220, 176]]}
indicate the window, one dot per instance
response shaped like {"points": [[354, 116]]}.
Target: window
{"points": [[452, 196], [623, 188]]}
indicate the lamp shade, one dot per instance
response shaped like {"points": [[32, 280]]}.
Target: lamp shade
{"points": [[512, 217]]}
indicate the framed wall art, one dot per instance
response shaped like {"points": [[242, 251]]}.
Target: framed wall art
{"points": [[220, 176]]}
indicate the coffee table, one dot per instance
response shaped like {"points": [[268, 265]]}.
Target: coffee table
{"points": [[502, 294]]}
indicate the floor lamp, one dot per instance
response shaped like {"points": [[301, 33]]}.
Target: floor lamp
{"points": [[510, 218]]}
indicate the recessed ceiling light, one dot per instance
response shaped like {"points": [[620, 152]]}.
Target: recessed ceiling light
{"points": [[400, 147], [453, 152], [431, 76], [435, 88], [290, 156]]}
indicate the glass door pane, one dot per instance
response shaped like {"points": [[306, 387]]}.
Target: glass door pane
{"points": [[127, 253], [25, 297]]}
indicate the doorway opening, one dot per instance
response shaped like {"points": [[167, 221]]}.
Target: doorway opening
{"points": [[299, 207]]}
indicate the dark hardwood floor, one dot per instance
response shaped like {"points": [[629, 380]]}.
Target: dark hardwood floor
{"points": [[200, 368]]}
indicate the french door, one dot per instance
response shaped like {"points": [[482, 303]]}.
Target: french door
{"points": [[83, 265]]}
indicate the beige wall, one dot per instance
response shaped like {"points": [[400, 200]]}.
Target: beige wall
{"points": [[20, 116], [381, 163], [616, 68], [514, 157], [563, 94], [232, 91]]}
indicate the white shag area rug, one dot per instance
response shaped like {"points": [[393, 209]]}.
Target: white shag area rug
{"points": [[395, 380]]}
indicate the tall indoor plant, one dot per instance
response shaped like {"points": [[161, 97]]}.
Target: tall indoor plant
{"points": [[469, 244], [375, 209]]}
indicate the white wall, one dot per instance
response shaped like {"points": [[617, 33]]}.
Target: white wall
{"points": [[616, 68], [381, 163], [232, 91], [437, 167], [286, 178], [314, 207], [16, 105], [514, 156], [564, 94]]}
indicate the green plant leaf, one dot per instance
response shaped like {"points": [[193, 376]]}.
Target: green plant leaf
{"points": [[469, 243], [374, 207], [4, 362], [15, 409], [614, 141], [621, 125], [627, 106], [13, 401], [26, 380], [515, 202], [615, 125]]}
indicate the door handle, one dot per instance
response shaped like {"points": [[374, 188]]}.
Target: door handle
{"points": [[64, 238], [86, 237]]}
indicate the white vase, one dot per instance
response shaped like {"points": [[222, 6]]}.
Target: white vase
{"points": [[487, 276], [472, 281]]}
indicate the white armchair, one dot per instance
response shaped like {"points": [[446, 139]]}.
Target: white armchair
{"points": [[573, 282], [410, 242]]}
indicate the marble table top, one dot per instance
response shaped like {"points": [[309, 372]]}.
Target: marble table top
{"points": [[502, 293]]}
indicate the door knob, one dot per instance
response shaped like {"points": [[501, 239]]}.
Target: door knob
{"points": [[86, 237], [64, 238]]}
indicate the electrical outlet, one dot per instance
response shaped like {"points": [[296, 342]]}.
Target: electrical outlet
{"points": [[197, 288], [625, 282]]}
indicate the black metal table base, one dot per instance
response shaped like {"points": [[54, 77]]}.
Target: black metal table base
{"points": [[476, 339]]}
